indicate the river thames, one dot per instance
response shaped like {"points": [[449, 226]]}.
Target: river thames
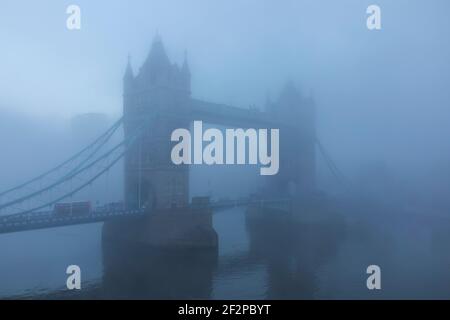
{"points": [[260, 258]]}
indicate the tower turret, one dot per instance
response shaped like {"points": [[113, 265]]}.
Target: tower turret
{"points": [[186, 73], [128, 78]]}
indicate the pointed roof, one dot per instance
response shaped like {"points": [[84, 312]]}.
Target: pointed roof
{"points": [[289, 100], [157, 58], [290, 92]]}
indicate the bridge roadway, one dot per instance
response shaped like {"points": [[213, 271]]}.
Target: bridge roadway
{"points": [[47, 219]]}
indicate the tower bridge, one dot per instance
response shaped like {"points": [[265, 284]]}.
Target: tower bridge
{"points": [[165, 88], [156, 101]]}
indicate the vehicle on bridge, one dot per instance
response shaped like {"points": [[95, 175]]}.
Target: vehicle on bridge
{"points": [[80, 208]]}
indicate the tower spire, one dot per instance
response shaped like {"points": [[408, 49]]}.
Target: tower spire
{"points": [[129, 69], [157, 63], [185, 68], [186, 73], [268, 103], [128, 78]]}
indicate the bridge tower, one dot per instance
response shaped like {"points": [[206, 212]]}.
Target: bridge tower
{"points": [[297, 142], [159, 95]]}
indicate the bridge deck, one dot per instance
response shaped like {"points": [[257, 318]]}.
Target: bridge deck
{"points": [[46, 220]]}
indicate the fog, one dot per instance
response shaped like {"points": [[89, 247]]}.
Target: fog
{"points": [[382, 97]]}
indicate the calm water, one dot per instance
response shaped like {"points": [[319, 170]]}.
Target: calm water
{"points": [[274, 256]]}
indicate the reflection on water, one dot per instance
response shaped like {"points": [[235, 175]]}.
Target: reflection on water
{"points": [[143, 273], [276, 255], [263, 254]]}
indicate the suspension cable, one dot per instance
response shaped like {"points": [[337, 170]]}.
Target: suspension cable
{"points": [[128, 143], [108, 133]]}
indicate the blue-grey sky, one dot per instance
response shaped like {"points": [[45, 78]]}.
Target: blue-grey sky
{"points": [[238, 50], [380, 94]]}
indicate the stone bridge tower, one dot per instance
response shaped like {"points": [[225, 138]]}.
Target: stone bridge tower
{"points": [[296, 113], [159, 95]]}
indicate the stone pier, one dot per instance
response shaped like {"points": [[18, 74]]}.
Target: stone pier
{"points": [[177, 228]]}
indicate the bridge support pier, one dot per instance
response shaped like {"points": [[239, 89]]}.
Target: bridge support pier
{"points": [[178, 228]]}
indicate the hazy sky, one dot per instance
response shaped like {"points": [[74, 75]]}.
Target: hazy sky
{"points": [[382, 97], [377, 92]]}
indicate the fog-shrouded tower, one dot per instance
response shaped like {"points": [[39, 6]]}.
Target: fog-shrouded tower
{"points": [[297, 141], [158, 95]]}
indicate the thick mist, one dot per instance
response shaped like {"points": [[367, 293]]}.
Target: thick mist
{"points": [[382, 97]]}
